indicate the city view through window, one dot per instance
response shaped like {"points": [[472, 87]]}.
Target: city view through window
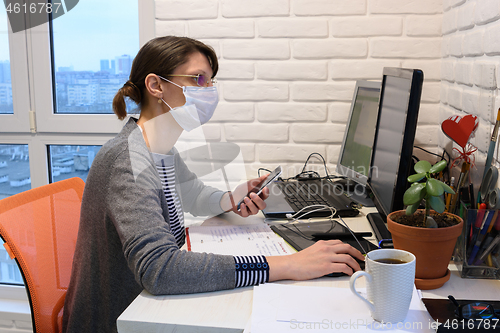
{"points": [[6, 105], [14, 178], [93, 48], [88, 91], [77, 91]]}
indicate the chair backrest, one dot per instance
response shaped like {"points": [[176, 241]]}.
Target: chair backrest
{"points": [[40, 227]]}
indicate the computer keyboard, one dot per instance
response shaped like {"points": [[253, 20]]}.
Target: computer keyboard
{"points": [[301, 197]]}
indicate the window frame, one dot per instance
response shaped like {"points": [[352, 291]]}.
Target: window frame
{"points": [[30, 61], [18, 53]]}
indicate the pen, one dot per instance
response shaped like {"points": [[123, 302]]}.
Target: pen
{"points": [[471, 217], [495, 223], [448, 197], [488, 250], [492, 258], [493, 261], [471, 195], [490, 236], [481, 235], [475, 228]]}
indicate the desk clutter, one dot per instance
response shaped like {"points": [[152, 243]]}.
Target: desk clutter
{"points": [[477, 251], [475, 315]]}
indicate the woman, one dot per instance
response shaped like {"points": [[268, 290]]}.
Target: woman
{"points": [[131, 226]]}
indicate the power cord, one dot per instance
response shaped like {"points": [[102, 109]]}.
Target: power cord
{"points": [[322, 158], [294, 218], [310, 174], [352, 233]]}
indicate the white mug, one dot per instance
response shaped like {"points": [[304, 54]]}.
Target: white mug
{"points": [[389, 285]]}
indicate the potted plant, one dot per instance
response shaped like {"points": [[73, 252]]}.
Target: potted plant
{"points": [[430, 233]]}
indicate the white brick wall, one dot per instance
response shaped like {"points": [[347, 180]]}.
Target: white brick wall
{"points": [[469, 69], [288, 67], [406, 6]]}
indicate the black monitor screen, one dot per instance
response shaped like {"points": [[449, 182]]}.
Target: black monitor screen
{"points": [[393, 146]]}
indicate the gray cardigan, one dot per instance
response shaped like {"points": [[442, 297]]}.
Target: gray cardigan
{"points": [[124, 242]]}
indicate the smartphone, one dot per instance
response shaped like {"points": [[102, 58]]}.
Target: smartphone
{"points": [[258, 189]]}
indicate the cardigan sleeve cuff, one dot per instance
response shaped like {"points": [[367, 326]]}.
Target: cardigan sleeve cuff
{"points": [[214, 202]]}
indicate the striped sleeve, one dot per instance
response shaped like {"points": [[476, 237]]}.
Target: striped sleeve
{"points": [[251, 270], [176, 215]]}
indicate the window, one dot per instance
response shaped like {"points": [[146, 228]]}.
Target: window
{"points": [[15, 174], [70, 161], [56, 114], [15, 177], [5, 80], [88, 70]]}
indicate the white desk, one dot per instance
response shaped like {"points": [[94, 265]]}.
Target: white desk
{"points": [[230, 311]]}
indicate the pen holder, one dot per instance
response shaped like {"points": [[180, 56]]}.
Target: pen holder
{"points": [[476, 255]]}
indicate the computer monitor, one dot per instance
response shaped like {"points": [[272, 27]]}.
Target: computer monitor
{"points": [[355, 152], [393, 146]]}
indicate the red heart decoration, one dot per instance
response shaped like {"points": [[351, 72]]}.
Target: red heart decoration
{"points": [[460, 129]]}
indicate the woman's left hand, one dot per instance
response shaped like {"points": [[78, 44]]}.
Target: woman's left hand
{"points": [[252, 203]]}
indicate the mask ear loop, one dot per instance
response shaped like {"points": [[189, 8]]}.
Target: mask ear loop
{"points": [[175, 84], [162, 100]]}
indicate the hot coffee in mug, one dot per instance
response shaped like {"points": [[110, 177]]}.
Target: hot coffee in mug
{"points": [[390, 275]]}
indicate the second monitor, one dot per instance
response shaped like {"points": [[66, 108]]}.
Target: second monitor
{"points": [[355, 152]]}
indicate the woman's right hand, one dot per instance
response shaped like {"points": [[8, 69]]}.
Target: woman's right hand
{"points": [[321, 258]]}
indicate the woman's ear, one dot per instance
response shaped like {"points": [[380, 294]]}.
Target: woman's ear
{"points": [[153, 86]]}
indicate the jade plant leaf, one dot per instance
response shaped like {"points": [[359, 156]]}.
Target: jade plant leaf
{"points": [[447, 189], [437, 204], [439, 166], [434, 187], [422, 166], [412, 208], [414, 194], [416, 177]]}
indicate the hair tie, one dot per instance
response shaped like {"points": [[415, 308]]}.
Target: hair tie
{"points": [[133, 86]]}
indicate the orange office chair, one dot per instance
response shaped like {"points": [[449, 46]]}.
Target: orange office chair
{"points": [[40, 228]]}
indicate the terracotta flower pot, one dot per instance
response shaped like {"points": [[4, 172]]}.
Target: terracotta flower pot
{"points": [[433, 248]]}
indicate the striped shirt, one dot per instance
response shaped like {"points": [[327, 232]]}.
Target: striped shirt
{"points": [[249, 270], [167, 176]]}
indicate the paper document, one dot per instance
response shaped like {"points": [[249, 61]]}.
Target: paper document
{"points": [[287, 308], [255, 239]]}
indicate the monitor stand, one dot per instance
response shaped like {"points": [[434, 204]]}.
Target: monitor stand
{"points": [[355, 191]]}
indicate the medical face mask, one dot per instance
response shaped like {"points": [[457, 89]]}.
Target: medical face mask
{"points": [[199, 108]]}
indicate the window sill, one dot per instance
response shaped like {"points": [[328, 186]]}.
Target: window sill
{"points": [[14, 303]]}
